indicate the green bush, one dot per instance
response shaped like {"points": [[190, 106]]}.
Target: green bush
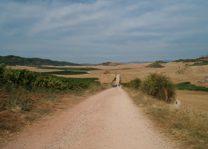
{"points": [[159, 86], [15, 86], [135, 83], [30, 79]]}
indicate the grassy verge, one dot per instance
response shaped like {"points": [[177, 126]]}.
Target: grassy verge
{"points": [[23, 108], [187, 125], [189, 86], [26, 96]]}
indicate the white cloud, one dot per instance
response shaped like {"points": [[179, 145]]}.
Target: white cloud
{"points": [[103, 26]]}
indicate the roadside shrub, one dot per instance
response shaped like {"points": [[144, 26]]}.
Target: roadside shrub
{"points": [[135, 83], [159, 86]]}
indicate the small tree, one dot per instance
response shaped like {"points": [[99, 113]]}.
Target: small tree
{"points": [[159, 86]]}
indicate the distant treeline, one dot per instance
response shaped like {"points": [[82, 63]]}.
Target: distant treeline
{"points": [[198, 61], [192, 60], [17, 60]]}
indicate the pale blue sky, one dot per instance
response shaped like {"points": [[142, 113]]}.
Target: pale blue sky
{"points": [[95, 31]]}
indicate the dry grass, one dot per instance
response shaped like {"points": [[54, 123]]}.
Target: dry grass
{"points": [[34, 69], [45, 105], [131, 71], [188, 125], [193, 75], [193, 100]]}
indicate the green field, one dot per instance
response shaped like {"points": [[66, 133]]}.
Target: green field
{"points": [[189, 86], [71, 68], [66, 72]]}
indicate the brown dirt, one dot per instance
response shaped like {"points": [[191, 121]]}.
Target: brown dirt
{"points": [[103, 121]]}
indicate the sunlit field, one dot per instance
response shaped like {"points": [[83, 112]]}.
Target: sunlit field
{"points": [[128, 72], [194, 105]]}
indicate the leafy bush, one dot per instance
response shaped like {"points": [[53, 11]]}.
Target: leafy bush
{"points": [[135, 84], [16, 85], [159, 86], [30, 79]]}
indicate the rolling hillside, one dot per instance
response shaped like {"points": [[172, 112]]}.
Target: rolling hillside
{"points": [[17, 60]]}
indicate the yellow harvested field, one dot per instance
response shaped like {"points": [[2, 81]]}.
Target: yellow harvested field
{"points": [[34, 68], [197, 69], [103, 78], [193, 100], [194, 74], [131, 71]]}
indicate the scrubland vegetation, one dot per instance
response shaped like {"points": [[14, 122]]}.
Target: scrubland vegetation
{"points": [[26, 96], [155, 65], [189, 125], [198, 61]]}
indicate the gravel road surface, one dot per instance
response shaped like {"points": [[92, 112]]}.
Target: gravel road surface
{"points": [[108, 120]]}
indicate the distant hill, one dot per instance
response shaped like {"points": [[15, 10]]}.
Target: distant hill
{"points": [[197, 61], [164, 61], [139, 62], [204, 58], [87, 64], [109, 64], [155, 65], [206, 55], [17, 60]]}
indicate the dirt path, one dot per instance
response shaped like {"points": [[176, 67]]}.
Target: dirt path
{"points": [[108, 120]]}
